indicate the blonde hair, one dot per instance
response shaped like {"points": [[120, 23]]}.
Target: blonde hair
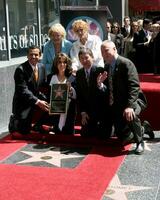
{"points": [[58, 28], [80, 24], [140, 23]]}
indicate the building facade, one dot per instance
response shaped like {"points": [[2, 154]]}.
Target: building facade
{"points": [[26, 22]]}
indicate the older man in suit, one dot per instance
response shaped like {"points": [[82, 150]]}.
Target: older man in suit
{"points": [[125, 99], [29, 78]]}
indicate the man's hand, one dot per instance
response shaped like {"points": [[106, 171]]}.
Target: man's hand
{"points": [[129, 114], [43, 105], [85, 118], [101, 77]]}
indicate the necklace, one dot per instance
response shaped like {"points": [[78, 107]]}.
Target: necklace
{"points": [[61, 78]]}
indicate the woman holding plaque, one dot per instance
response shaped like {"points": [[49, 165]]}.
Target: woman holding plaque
{"points": [[62, 75]]}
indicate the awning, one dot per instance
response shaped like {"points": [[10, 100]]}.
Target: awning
{"points": [[144, 5]]}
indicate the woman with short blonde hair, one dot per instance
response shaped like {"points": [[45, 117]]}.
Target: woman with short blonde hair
{"points": [[80, 24], [85, 40], [57, 28], [55, 45]]}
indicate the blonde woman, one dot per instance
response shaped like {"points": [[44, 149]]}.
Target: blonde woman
{"points": [[55, 45], [85, 40]]}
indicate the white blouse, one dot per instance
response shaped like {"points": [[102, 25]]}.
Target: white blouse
{"points": [[94, 43]]}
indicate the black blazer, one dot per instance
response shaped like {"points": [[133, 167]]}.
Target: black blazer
{"points": [[87, 95], [143, 56], [27, 90], [126, 86], [124, 32]]}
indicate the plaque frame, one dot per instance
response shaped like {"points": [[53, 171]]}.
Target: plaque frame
{"points": [[59, 98]]}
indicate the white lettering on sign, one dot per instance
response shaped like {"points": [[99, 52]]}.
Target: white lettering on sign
{"points": [[3, 43], [21, 41]]}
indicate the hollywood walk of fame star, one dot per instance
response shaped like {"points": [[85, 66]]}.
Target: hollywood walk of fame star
{"points": [[51, 157], [117, 191], [59, 92]]}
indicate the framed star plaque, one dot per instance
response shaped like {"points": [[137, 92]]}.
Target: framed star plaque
{"points": [[59, 98]]}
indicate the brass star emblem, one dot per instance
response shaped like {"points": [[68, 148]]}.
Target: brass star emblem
{"points": [[51, 157], [59, 92]]}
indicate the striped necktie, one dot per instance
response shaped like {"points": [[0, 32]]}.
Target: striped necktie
{"points": [[36, 73], [110, 85]]}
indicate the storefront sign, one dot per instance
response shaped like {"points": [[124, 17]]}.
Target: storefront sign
{"points": [[21, 41]]}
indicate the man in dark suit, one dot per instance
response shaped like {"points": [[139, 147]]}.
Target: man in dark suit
{"points": [[109, 35], [125, 98], [88, 96], [29, 78], [126, 29], [141, 44]]}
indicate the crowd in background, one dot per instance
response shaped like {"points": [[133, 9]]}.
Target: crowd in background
{"points": [[138, 40]]}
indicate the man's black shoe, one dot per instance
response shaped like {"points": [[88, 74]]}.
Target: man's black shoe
{"points": [[140, 148], [148, 129]]}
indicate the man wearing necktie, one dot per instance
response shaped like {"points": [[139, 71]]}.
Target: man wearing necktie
{"points": [[128, 100], [87, 75], [35, 70], [89, 96], [27, 95]]}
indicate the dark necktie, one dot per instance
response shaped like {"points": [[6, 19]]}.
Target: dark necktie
{"points": [[110, 85], [87, 76]]}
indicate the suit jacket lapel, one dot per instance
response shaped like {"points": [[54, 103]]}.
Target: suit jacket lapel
{"points": [[116, 65], [93, 68], [28, 71], [84, 77], [39, 73]]}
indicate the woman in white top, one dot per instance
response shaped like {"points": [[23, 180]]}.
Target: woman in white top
{"points": [[85, 40], [62, 74]]}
